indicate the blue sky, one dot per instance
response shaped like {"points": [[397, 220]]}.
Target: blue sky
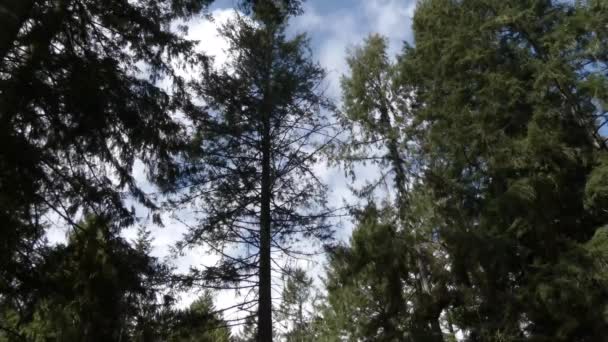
{"points": [[333, 27]]}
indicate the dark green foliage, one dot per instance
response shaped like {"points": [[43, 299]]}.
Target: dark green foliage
{"points": [[96, 288], [495, 118], [78, 105], [507, 97], [364, 284], [200, 323], [373, 291]]}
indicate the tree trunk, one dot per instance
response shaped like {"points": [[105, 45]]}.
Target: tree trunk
{"points": [[265, 299], [395, 159], [265, 285], [402, 203]]}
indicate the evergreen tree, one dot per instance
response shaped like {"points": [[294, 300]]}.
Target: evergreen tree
{"points": [[294, 311], [360, 283], [95, 289], [250, 171], [200, 323], [79, 103], [377, 112], [508, 97], [249, 332]]}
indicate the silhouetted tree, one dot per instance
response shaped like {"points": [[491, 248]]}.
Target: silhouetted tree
{"points": [[250, 171], [80, 101]]}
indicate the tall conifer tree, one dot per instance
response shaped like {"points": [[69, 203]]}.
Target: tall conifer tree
{"points": [[250, 170], [79, 103], [508, 95]]}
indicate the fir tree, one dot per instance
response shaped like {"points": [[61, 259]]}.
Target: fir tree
{"points": [[96, 288], [294, 311], [377, 113]]}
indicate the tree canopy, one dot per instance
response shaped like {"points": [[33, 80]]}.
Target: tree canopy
{"points": [[486, 219]]}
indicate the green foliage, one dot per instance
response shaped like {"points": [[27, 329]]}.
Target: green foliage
{"points": [[297, 301], [507, 118], [200, 323], [495, 117], [364, 283], [79, 103], [95, 288], [377, 111], [373, 113]]}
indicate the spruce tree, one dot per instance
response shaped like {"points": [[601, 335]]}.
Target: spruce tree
{"points": [[97, 287], [201, 322], [360, 284], [296, 302]]}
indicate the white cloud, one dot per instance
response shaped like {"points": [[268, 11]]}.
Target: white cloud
{"points": [[332, 33], [206, 33], [392, 19]]}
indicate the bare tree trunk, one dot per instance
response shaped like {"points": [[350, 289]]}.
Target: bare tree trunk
{"points": [[265, 285], [265, 300]]}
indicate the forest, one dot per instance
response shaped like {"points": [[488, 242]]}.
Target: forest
{"points": [[482, 215]]}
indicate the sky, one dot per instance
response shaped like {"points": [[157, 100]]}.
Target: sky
{"points": [[333, 27]]}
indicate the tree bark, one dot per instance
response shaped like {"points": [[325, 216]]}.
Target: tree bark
{"points": [[265, 281], [265, 299]]}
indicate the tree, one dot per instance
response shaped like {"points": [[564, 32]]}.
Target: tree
{"points": [[249, 332], [250, 171], [79, 103], [200, 323], [96, 288], [377, 112], [508, 97], [360, 284], [296, 303]]}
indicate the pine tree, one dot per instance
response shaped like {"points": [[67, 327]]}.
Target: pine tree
{"points": [[249, 332], [377, 112], [360, 283], [200, 323], [250, 169]]}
